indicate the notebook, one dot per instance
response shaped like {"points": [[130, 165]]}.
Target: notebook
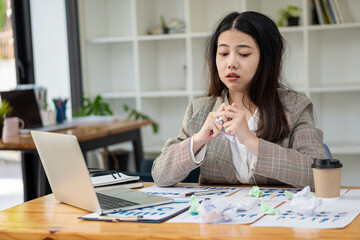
{"points": [[25, 106], [70, 182]]}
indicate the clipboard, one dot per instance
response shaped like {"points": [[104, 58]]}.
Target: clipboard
{"points": [[154, 214]]}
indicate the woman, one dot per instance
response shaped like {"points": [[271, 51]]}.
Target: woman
{"points": [[249, 129]]}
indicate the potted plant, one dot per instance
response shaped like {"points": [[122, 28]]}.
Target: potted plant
{"points": [[96, 107], [5, 110], [290, 14], [133, 114]]}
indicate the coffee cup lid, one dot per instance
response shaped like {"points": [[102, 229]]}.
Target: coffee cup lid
{"points": [[326, 163]]}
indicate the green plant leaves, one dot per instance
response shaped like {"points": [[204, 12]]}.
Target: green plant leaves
{"points": [[96, 107], [133, 114], [5, 110]]}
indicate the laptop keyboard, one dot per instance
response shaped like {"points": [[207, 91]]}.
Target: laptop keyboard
{"points": [[109, 202]]}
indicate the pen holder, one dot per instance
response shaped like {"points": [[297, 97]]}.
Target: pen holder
{"points": [[60, 106]]}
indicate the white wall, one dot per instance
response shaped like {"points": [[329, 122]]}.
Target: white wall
{"points": [[50, 48]]}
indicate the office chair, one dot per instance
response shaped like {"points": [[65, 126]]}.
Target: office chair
{"points": [[327, 151]]}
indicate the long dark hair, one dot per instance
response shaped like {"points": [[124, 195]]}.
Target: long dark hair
{"points": [[262, 90]]}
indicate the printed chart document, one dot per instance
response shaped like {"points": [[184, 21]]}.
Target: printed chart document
{"points": [[241, 217], [331, 214], [273, 196], [162, 212], [179, 192], [155, 214]]}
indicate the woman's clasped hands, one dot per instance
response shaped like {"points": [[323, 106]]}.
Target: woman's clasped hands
{"points": [[227, 117]]}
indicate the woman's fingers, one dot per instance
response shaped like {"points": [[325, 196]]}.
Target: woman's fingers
{"points": [[222, 107]]}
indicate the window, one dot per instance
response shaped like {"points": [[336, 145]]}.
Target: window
{"points": [[7, 59]]}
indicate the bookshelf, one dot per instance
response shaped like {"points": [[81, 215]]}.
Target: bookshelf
{"points": [[160, 74]]}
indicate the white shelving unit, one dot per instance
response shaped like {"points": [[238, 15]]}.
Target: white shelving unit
{"points": [[160, 74]]}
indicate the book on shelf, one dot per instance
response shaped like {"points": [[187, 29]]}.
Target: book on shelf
{"points": [[326, 8], [324, 12], [319, 12], [335, 11], [343, 11], [332, 11]]}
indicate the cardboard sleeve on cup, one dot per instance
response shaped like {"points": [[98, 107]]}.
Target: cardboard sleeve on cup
{"points": [[327, 177]]}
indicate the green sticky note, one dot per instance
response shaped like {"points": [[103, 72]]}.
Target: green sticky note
{"points": [[289, 195], [194, 205], [267, 209], [255, 192], [311, 194]]}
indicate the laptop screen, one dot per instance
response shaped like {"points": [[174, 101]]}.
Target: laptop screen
{"points": [[25, 106]]}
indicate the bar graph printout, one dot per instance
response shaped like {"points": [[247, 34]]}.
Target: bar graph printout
{"points": [[331, 214], [241, 217], [178, 192]]}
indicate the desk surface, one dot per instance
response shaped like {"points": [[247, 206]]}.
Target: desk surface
{"points": [[46, 218], [83, 132]]}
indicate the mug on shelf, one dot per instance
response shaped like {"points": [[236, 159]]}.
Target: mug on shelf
{"points": [[11, 127]]}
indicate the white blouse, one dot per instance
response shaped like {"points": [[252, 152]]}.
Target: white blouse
{"points": [[243, 158]]}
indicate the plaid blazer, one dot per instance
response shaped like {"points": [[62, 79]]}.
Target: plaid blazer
{"points": [[286, 161]]}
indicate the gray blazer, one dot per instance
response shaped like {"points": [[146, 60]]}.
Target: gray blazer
{"points": [[286, 161]]}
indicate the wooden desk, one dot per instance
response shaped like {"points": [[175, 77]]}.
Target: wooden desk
{"points": [[90, 137], [45, 218]]}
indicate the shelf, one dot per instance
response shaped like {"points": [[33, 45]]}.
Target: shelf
{"points": [[170, 94], [333, 26], [299, 29], [200, 35], [162, 65], [160, 74], [118, 95], [148, 13], [161, 37], [105, 40]]}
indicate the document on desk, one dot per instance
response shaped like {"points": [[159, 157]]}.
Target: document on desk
{"points": [[241, 217], [331, 214], [162, 212], [179, 192], [154, 214]]}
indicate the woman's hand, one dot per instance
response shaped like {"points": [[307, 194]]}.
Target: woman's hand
{"points": [[210, 129], [236, 124]]}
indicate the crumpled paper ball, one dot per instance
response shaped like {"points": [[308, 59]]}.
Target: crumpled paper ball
{"points": [[212, 211]]}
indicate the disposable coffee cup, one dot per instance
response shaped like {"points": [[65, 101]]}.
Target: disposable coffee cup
{"points": [[327, 178]]}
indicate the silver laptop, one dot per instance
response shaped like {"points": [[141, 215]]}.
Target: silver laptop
{"points": [[70, 182]]}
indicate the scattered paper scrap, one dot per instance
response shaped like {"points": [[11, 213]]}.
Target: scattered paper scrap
{"points": [[268, 210], [255, 192], [214, 211], [303, 204], [194, 205], [289, 195]]}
